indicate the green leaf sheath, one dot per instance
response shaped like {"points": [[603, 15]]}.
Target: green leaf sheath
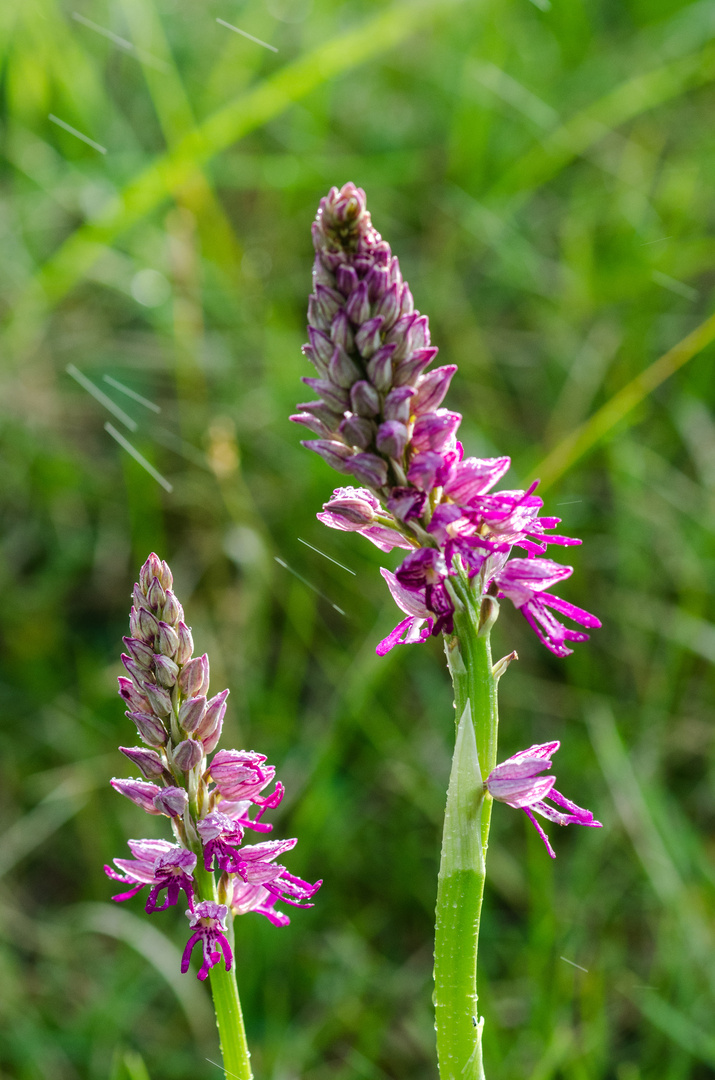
{"points": [[464, 847], [227, 1006]]}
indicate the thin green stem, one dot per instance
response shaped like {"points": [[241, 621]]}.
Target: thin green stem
{"points": [[464, 844], [227, 1006]]}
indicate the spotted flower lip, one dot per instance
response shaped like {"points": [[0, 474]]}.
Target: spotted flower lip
{"points": [[208, 921], [518, 783]]}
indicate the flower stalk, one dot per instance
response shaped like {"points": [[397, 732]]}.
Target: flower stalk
{"points": [[462, 872]]}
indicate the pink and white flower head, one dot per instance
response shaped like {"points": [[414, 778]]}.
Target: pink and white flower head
{"points": [[209, 805], [518, 782], [208, 921]]}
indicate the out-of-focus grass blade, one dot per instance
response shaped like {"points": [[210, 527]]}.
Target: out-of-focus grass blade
{"points": [[588, 126], [675, 1025], [38, 824], [256, 107], [587, 435], [690, 631], [632, 808], [128, 1065], [158, 950]]}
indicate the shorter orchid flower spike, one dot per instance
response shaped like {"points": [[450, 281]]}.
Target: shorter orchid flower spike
{"points": [[517, 783]]}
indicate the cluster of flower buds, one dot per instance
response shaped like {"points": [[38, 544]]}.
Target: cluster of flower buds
{"points": [[210, 805], [379, 420], [518, 783]]}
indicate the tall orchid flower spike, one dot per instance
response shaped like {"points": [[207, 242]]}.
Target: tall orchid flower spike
{"points": [[209, 805], [379, 420], [518, 782]]}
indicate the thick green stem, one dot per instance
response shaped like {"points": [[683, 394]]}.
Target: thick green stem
{"points": [[464, 845], [227, 1006]]}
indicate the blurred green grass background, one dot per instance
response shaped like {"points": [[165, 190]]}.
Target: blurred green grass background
{"points": [[544, 171]]}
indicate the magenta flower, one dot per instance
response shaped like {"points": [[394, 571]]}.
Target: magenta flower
{"points": [[258, 869], [208, 921], [220, 837], [524, 582], [159, 864], [380, 419], [419, 622], [518, 783]]}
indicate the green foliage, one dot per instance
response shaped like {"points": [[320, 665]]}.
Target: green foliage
{"points": [[544, 172]]}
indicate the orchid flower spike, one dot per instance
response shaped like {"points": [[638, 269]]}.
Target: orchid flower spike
{"points": [[518, 783], [210, 805], [379, 420]]}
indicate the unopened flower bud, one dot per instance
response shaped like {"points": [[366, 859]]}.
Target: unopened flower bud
{"points": [[407, 304], [151, 569], [150, 728], [212, 718], [392, 439], [193, 675], [334, 396], [166, 671], [139, 791], [158, 699], [328, 301], [186, 644], [389, 306], [369, 469], [365, 399], [156, 596], [431, 389], [367, 338], [347, 280], [398, 335], [377, 282], [337, 455], [358, 306], [312, 423], [341, 331], [358, 431], [137, 672], [191, 712], [167, 639], [322, 348], [398, 405], [410, 370], [173, 610], [148, 761], [188, 755], [171, 801], [356, 505], [130, 694], [379, 368], [140, 652], [342, 370], [148, 625]]}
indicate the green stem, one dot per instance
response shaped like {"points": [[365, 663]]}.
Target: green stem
{"points": [[464, 845], [227, 1006]]}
